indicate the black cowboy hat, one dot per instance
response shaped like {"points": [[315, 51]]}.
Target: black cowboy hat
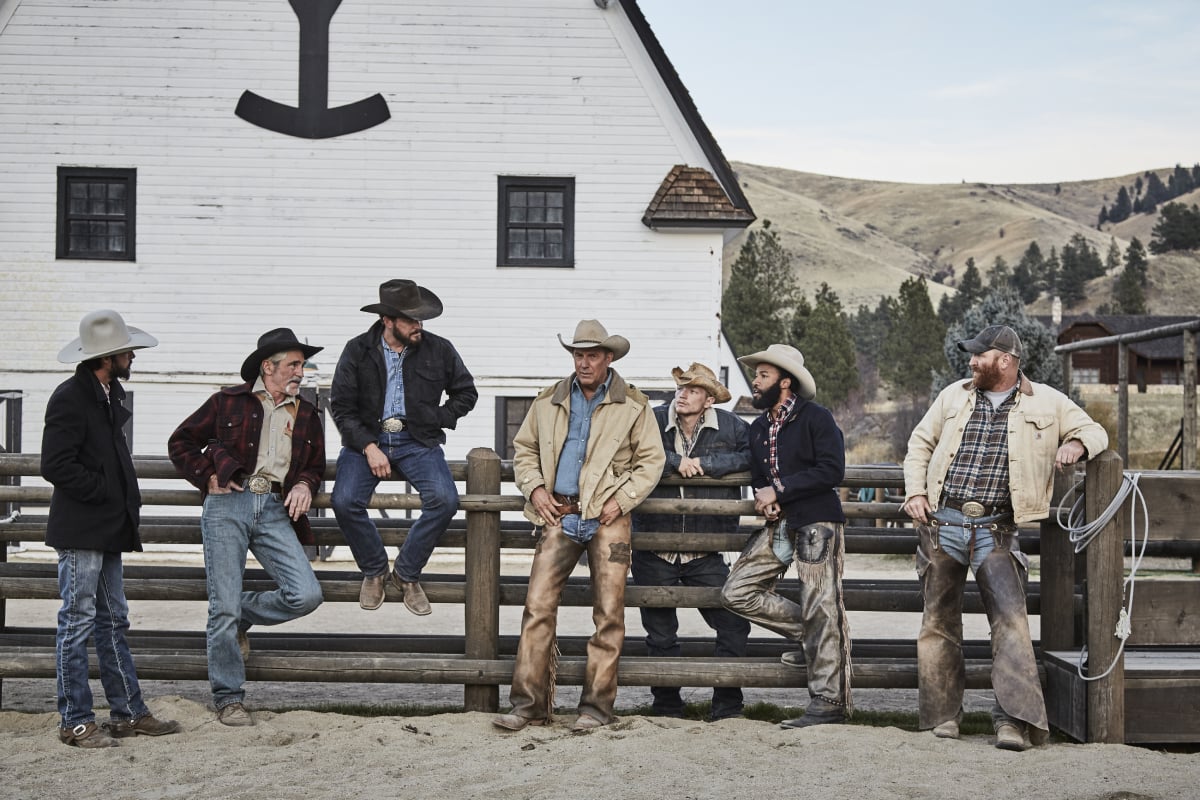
{"points": [[274, 341], [403, 298]]}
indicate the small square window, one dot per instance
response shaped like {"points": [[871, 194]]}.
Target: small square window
{"points": [[510, 413], [536, 222], [96, 213]]}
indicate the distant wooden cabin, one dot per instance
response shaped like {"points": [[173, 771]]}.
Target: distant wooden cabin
{"points": [[1156, 362]]}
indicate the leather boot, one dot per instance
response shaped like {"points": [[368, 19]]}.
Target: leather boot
{"points": [[535, 670], [1015, 679], [941, 673]]}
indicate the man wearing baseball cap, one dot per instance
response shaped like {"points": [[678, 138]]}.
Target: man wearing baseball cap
{"points": [[94, 515], [967, 504]]}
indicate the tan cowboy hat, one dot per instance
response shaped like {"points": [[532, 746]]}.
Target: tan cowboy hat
{"points": [[274, 341], [699, 375], [403, 298], [104, 333], [787, 358], [590, 333]]}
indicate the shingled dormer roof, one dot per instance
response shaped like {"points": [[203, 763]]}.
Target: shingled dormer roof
{"points": [[690, 197]]}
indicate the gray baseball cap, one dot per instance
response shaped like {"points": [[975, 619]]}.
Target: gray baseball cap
{"points": [[994, 337]]}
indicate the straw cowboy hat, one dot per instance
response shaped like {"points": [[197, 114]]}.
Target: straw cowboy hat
{"points": [[104, 333], [274, 341], [787, 358], [590, 333], [699, 375], [403, 298]]}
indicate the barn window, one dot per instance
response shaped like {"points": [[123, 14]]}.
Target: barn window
{"points": [[536, 222], [510, 413], [96, 213]]}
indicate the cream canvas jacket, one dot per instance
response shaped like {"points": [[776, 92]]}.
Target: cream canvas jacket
{"points": [[1041, 420], [624, 459]]}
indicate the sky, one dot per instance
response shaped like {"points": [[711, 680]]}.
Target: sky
{"points": [[942, 92]]}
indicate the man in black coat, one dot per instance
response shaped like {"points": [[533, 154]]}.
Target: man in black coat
{"points": [[387, 404], [94, 517]]}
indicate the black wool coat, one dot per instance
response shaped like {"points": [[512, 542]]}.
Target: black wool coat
{"points": [[96, 503]]}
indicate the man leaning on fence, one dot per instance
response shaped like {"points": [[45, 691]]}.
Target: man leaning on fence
{"points": [[256, 451], [386, 401], [979, 464], [95, 511], [798, 459], [701, 441], [586, 455]]}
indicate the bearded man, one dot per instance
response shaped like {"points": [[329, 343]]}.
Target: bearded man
{"points": [[967, 502]]}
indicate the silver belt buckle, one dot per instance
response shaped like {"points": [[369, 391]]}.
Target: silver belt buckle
{"points": [[972, 509], [259, 484], [393, 425]]}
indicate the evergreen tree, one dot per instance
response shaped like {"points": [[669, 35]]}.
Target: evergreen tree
{"points": [[1103, 217], [1128, 295], [1113, 259], [1156, 193], [1178, 228], [1136, 261], [1002, 307], [911, 353], [1122, 207], [801, 317], [757, 305], [828, 349], [1050, 273], [1027, 275], [969, 289], [999, 275]]}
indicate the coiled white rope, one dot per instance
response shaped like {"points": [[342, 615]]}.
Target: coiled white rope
{"points": [[1082, 533]]}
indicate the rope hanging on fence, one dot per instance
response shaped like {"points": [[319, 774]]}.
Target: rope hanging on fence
{"points": [[1082, 533]]}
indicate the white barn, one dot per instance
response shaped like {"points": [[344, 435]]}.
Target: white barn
{"points": [[216, 168]]}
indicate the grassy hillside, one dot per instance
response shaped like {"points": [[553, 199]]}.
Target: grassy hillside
{"points": [[864, 238]]}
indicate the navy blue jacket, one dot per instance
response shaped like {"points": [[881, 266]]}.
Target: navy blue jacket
{"points": [[96, 503], [812, 463], [721, 452], [431, 369]]}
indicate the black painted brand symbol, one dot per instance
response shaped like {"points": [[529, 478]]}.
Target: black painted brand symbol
{"points": [[312, 118]]}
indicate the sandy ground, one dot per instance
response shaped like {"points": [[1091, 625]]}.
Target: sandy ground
{"points": [[307, 754]]}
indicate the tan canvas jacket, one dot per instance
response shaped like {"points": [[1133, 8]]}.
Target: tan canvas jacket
{"points": [[624, 453], [1041, 420]]}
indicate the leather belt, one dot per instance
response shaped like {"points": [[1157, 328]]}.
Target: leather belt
{"points": [[571, 501], [260, 484], [971, 508], [393, 425]]}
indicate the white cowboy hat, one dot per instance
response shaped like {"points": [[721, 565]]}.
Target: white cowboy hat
{"points": [[104, 333], [787, 358], [590, 333]]}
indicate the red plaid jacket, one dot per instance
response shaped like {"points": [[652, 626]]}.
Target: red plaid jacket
{"points": [[221, 438]]}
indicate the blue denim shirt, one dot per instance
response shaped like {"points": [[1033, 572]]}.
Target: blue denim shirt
{"points": [[393, 397], [570, 460]]}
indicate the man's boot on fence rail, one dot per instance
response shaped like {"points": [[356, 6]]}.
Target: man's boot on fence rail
{"points": [[1001, 579], [941, 673]]}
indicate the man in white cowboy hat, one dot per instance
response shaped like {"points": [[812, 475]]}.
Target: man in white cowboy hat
{"points": [[798, 459], [586, 455], [387, 402], [256, 452], [700, 440], [966, 503], [94, 514]]}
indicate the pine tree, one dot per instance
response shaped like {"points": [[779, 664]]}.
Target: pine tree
{"points": [[828, 349], [1121, 207], [1027, 275], [1113, 260], [757, 305], [1050, 273], [1136, 261], [999, 275], [1178, 228], [911, 354], [1003, 307]]}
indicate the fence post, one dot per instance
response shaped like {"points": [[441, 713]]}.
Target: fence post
{"points": [[481, 606], [1105, 576], [1058, 578]]}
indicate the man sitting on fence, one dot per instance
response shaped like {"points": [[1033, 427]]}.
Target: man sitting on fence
{"points": [[256, 451], [798, 459], [700, 441], [586, 455], [386, 401], [94, 514], [967, 502]]}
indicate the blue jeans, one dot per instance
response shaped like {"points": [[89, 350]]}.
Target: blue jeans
{"points": [[956, 541], [662, 626], [93, 595], [426, 470], [233, 524]]}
